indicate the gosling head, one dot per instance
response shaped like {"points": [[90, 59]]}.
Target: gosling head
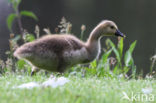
{"points": [[109, 28]]}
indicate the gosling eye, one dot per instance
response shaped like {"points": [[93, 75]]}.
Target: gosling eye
{"points": [[112, 27]]}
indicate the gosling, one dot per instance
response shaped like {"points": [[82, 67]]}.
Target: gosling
{"points": [[60, 51]]}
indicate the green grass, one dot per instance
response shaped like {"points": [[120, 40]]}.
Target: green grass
{"points": [[78, 90]]}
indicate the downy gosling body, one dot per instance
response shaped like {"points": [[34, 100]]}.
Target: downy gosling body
{"points": [[59, 51]]}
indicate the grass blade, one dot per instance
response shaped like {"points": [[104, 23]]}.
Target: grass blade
{"points": [[120, 47]]}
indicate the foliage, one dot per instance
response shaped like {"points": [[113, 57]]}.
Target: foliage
{"points": [[10, 20], [13, 41], [28, 14], [18, 14], [109, 66], [128, 59]]}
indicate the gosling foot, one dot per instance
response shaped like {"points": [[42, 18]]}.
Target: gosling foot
{"points": [[34, 71]]}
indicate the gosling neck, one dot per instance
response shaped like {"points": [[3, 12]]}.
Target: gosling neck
{"points": [[94, 38], [93, 43], [96, 34]]}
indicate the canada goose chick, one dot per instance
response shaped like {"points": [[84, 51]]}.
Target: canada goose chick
{"points": [[59, 51]]}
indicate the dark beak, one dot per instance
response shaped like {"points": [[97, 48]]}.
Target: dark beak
{"points": [[118, 33]]}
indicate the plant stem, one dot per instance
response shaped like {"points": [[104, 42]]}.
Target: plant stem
{"points": [[82, 32], [152, 65], [19, 21]]}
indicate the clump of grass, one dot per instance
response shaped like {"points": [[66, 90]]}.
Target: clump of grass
{"points": [[17, 15], [78, 90]]}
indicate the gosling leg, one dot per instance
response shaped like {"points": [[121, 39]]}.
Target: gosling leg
{"points": [[34, 71]]}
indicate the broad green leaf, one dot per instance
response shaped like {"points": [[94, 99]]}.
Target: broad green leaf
{"points": [[127, 58], [29, 14], [109, 42], [132, 46], [117, 54], [128, 55], [120, 47], [114, 49], [105, 56], [115, 69], [10, 20]]}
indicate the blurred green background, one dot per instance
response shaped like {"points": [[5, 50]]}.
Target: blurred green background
{"points": [[135, 18]]}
